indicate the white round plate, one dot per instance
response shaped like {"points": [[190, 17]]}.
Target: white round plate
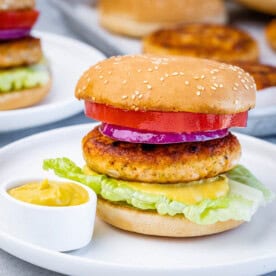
{"points": [[68, 59], [247, 250]]}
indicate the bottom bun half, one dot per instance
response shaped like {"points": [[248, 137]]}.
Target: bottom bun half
{"points": [[24, 98], [151, 223]]}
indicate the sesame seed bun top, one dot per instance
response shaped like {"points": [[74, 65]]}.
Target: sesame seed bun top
{"points": [[172, 84]]}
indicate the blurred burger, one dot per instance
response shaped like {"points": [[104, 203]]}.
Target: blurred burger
{"points": [[270, 32], [266, 6], [211, 41], [263, 74], [24, 76], [139, 18], [163, 161]]}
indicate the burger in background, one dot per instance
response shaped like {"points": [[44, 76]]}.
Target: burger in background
{"points": [[24, 74], [263, 74], [270, 32], [266, 6], [163, 162], [211, 41], [139, 18]]}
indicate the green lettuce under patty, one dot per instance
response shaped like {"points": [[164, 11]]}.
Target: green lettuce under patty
{"points": [[245, 196], [20, 78]]}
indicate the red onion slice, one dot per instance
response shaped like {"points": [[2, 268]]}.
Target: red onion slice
{"points": [[14, 34], [146, 137]]}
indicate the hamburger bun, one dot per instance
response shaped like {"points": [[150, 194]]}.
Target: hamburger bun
{"points": [[218, 42], [150, 223], [165, 83], [24, 98], [138, 18], [271, 34], [266, 6]]}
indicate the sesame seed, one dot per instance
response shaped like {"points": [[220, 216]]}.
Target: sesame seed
{"points": [[105, 81], [236, 84], [149, 86], [198, 93], [124, 81], [196, 77], [246, 87], [156, 67], [235, 88], [145, 81], [213, 88], [181, 73], [140, 96], [150, 69], [93, 99], [88, 79], [162, 79], [136, 108], [109, 72], [187, 82], [214, 78], [214, 71], [216, 85], [200, 87], [124, 97], [133, 97], [166, 75], [221, 85], [202, 77], [243, 80], [175, 74], [236, 101], [137, 92], [97, 67], [139, 70]]}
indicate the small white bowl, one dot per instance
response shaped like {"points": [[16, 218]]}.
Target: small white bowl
{"points": [[55, 228]]}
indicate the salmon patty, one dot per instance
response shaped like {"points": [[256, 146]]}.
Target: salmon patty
{"points": [[20, 52], [172, 163]]}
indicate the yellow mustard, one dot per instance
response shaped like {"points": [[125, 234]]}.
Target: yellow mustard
{"points": [[188, 194], [51, 193]]}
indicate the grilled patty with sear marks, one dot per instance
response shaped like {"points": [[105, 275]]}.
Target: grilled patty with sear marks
{"points": [[20, 52], [172, 163]]}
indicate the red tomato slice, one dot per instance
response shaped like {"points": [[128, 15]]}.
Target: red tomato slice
{"points": [[164, 121], [18, 19]]}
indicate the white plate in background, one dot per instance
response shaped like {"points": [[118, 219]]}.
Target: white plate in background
{"points": [[68, 59], [247, 250]]}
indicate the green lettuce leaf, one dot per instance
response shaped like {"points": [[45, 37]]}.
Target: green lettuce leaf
{"points": [[20, 78], [240, 204], [243, 175]]}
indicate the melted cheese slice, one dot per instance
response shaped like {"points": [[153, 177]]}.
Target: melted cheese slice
{"points": [[188, 193]]}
